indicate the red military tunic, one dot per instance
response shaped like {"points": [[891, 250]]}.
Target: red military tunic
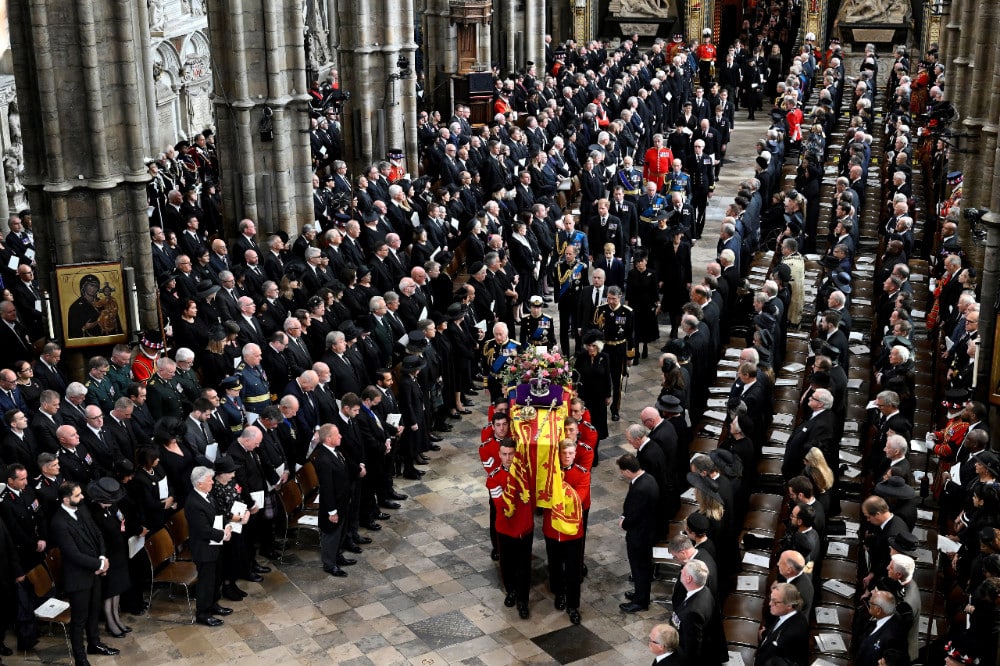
{"points": [[522, 522], [143, 367], [656, 165], [489, 454], [585, 445], [706, 52], [578, 478]]}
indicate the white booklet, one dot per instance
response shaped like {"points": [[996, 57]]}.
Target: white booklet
{"points": [[51, 608]]}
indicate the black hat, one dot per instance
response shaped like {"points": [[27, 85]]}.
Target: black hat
{"points": [[217, 334], [363, 270], [592, 336], [152, 339], [705, 485], [895, 487], [416, 340], [745, 422], [679, 348], [166, 279], [905, 543], [370, 215], [727, 462], [349, 330], [783, 273], [669, 404], [762, 162], [955, 398], [232, 382], [842, 280], [232, 328], [476, 267], [456, 311], [105, 490], [439, 318], [205, 289], [411, 363], [829, 261], [698, 523], [395, 153], [990, 461], [224, 464]]}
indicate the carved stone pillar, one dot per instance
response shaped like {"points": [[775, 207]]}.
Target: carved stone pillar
{"points": [[85, 133], [977, 106], [261, 106], [986, 378]]}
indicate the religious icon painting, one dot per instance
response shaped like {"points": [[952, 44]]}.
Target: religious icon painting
{"points": [[92, 304]]}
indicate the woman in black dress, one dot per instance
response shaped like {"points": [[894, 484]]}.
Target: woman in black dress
{"points": [[641, 295], [104, 495], [594, 370], [188, 331], [523, 256], [176, 459], [213, 362], [30, 389], [223, 495], [675, 278]]}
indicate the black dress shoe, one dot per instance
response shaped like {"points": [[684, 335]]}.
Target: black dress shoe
{"points": [[101, 648], [346, 561], [220, 610], [584, 571], [560, 602], [209, 621], [632, 607], [472, 393], [421, 461], [353, 548], [434, 447], [127, 629], [465, 412], [455, 416], [336, 571], [397, 496], [468, 403], [435, 438], [373, 526], [389, 505], [616, 417], [495, 555], [414, 475], [114, 634], [509, 600], [574, 615], [522, 611], [382, 516], [231, 594], [254, 577], [444, 427], [261, 569]]}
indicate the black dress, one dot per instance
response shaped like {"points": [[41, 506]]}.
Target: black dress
{"points": [[675, 274], [234, 552], [32, 393], [641, 296], [595, 388], [178, 469], [111, 522], [143, 491], [214, 367], [193, 335]]}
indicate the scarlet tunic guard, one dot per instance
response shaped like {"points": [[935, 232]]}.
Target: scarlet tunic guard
{"points": [[657, 163], [144, 364]]}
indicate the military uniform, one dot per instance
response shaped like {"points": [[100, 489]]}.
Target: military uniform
{"points": [[631, 181], [102, 392], [163, 397], [144, 367], [577, 239], [538, 331], [497, 358], [256, 393], [618, 326], [22, 513], [189, 385], [120, 378], [234, 413], [571, 278], [678, 182], [702, 172]]}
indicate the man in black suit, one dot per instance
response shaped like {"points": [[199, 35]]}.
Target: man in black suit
{"points": [[246, 241], [15, 340], [802, 536], [22, 514], [334, 496], [18, 445], [791, 567], [205, 541], [47, 421], [75, 463], [47, 370], [639, 517], [591, 298], [883, 632], [664, 643], [652, 461], [787, 637], [817, 430], [884, 524], [28, 301], [697, 617], [250, 477], [682, 549], [82, 546]]}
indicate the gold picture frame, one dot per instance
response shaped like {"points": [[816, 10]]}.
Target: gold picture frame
{"points": [[92, 304]]}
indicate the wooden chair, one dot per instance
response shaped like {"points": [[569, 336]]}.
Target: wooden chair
{"points": [[53, 562], [739, 607], [766, 502], [742, 632], [165, 570], [309, 485], [177, 526], [44, 587], [296, 517]]}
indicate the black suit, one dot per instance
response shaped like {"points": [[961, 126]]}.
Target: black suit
{"points": [[788, 641], [50, 378], [640, 516], [892, 634], [817, 431], [653, 462], [82, 547], [334, 498], [24, 450], [15, 344], [878, 546], [44, 429], [702, 639], [201, 514]]}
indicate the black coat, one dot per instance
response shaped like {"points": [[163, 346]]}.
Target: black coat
{"points": [[81, 545], [702, 637], [789, 642], [200, 515], [334, 486]]}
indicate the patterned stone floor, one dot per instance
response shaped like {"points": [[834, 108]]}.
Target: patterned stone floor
{"points": [[425, 591]]}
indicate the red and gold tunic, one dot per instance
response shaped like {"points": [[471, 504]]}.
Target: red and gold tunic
{"points": [[706, 52], [143, 367], [656, 165]]}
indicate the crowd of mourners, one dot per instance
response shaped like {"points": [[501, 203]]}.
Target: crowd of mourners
{"points": [[350, 349]]}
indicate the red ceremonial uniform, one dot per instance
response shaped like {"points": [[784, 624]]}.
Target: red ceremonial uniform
{"points": [[396, 172], [586, 444], [501, 105], [489, 453], [522, 522], [794, 118], [578, 478], [706, 52], [656, 165], [143, 367]]}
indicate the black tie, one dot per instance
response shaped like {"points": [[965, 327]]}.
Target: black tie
{"points": [[204, 430]]}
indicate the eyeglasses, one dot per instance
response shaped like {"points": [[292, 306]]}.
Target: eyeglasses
{"points": [[655, 642]]}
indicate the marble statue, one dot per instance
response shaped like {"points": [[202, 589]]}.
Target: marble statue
{"points": [[874, 11]]}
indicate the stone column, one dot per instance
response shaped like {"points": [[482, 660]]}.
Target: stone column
{"points": [[534, 34], [988, 323], [84, 133], [262, 118], [978, 106]]}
